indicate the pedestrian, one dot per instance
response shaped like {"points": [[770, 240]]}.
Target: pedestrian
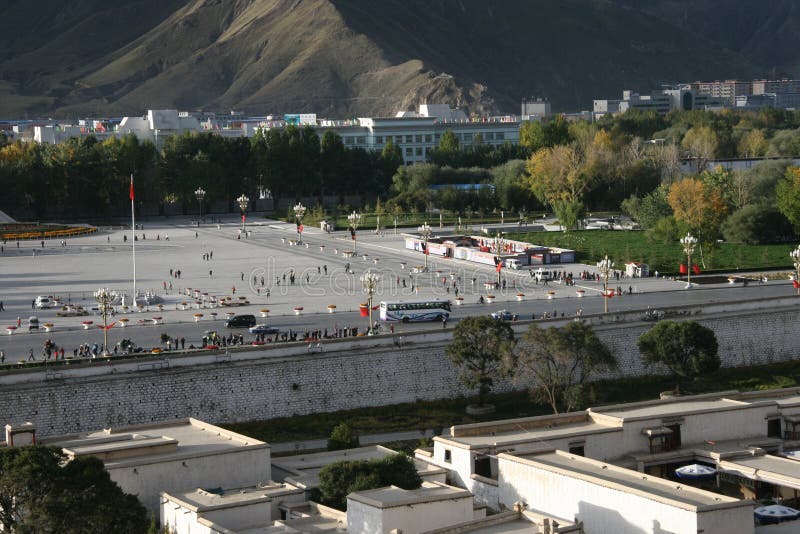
{"points": [[210, 273], [2, 356], [195, 235], [242, 277], [30, 356], [2, 308], [233, 290], [444, 321], [183, 342]]}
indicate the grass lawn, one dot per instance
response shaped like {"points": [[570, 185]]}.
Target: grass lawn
{"points": [[438, 415], [631, 245]]}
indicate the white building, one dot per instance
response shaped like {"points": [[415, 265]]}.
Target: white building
{"points": [[662, 102], [158, 124]]}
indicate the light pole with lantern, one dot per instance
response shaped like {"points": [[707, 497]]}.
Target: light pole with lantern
{"points": [[200, 193], [795, 255], [354, 219], [688, 242], [425, 234], [105, 298], [370, 281], [499, 245], [605, 267], [299, 213], [243, 201]]}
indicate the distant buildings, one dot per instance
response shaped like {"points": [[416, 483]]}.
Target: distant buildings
{"points": [[662, 102]]}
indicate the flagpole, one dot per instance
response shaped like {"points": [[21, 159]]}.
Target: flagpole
{"points": [[133, 241]]}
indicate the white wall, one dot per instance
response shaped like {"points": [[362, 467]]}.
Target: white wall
{"points": [[738, 520], [603, 510], [411, 519]]}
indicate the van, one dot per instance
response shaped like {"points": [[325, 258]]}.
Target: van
{"points": [[43, 302], [541, 275], [33, 323], [241, 321]]}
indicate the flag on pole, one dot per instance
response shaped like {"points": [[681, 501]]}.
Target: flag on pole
{"points": [[499, 266], [131, 195]]}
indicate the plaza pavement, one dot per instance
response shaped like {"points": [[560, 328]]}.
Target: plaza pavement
{"points": [[87, 263]]}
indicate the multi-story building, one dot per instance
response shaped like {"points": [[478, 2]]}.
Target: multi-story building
{"points": [[662, 102], [726, 90], [761, 87]]}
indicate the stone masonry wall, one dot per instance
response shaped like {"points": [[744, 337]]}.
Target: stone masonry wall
{"points": [[353, 378]]}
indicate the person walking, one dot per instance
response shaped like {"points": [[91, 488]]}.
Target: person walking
{"points": [[30, 356], [210, 273]]}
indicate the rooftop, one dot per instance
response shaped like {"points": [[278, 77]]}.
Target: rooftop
{"points": [[154, 443], [392, 496], [625, 480], [200, 500]]}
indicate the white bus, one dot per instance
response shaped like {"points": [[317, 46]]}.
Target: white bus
{"points": [[414, 311]]}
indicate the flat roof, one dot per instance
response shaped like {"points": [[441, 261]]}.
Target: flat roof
{"points": [[191, 436], [215, 498], [666, 409], [774, 469], [525, 436], [392, 496], [625, 480]]}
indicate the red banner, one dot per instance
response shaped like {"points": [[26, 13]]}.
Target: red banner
{"points": [[683, 269], [300, 229], [695, 269], [364, 309], [101, 327]]}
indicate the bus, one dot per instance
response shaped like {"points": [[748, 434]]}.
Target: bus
{"points": [[414, 311]]}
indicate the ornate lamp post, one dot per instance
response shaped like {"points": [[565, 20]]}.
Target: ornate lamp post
{"points": [[795, 255], [605, 267], [243, 201], [200, 193], [499, 244], [689, 242], [299, 213], [105, 298], [370, 281], [354, 219], [425, 234]]}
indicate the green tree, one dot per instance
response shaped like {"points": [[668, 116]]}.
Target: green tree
{"points": [[686, 348], [756, 224], [339, 479], [480, 346], [342, 437], [788, 196], [559, 361], [41, 492], [701, 142]]}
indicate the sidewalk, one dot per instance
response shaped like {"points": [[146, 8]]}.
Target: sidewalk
{"points": [[316, 445]]}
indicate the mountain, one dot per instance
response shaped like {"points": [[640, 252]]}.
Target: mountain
{"points": [[343, 58]]}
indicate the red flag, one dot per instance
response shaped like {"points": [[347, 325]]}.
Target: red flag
{"points": [[683, 269], [696, 269], [242, 217], [499, 266], [131, 195], [300, 229]]}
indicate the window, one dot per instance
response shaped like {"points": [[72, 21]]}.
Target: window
{"points": [[409, 151], [448, 456], [673, 441], [437, 136], [348, 140], [379, 140], [398, 139], [467, 137], [361, 140], [578, 449], [483, 466], [418, 138], [428, 138], [419, 151], [500, 136], [774, 427], [409, 138], [488, 136]]}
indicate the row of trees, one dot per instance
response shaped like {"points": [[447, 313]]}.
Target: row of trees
{"points": [[85, 177], [559, 362]]}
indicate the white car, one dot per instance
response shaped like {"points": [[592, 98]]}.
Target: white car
{"points": [[42, 302]]}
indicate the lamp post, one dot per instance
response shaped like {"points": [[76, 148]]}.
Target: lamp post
{"points": [[605, 267], [243, 201], [200, 193], [795, 255], [299, 213], [370, 281], [425, 234], [105, 298], [354, 219], [689, 242], [499, 244]]}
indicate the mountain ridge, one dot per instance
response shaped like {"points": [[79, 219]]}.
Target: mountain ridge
{"points": [[343, 58]]}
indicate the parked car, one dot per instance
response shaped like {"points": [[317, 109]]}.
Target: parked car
{"points": [[241, 321], [504, 315], [263, 329], [43, 302]]}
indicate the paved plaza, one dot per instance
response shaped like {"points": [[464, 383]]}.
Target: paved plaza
{"points": [[218, 262]]}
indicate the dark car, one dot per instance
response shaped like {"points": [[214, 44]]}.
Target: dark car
{"points": [[504, 315], [263, 329], [241, 321]]}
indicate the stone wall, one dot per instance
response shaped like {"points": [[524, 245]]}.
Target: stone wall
{"points": [[355, 374]]}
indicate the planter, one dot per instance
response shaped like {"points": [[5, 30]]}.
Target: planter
{"points": [[732, 280], [489, 299], [520, 297], [197, 317], [123, 322], [322, 248], [580, 293], [156, 351], [183, 305], [551, 295], [213, 315], [264, 312], [156, 320], [298, 310], [11, 329], [459, 301], [402, 265], [331, 308], [160, 307], [124, 309], [87, 324], [375, 260], [307, 245], [48, 327], [363, 309], [228, 315]]}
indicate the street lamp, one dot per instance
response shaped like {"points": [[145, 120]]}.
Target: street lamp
{"points": [[370, 282], [499, 245], [105, 298], [299, 213], [605, 267], [688, 242], [243, 201], [425, 233], [200, 193], [354, 219], [795, 255]]}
